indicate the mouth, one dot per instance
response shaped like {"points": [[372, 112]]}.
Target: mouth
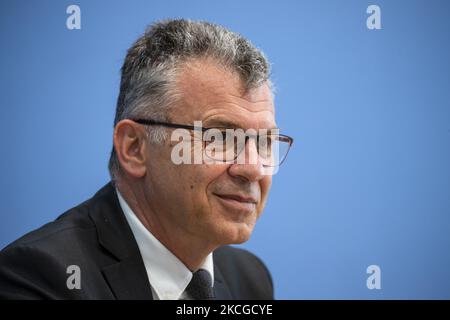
{"points": [[237, 202]]}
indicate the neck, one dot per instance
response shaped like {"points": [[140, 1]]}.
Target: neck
{"points": [[188, 248]]}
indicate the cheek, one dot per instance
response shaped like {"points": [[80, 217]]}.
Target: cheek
{"points": [[208, 175], [201, 181], [265, 185]]}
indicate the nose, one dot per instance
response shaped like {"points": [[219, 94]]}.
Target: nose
{"points": [[249, 168]]}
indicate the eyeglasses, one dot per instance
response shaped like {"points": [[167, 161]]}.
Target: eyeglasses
{"points": [[226, 144]]}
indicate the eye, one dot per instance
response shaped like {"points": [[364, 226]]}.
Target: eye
{"points": [[265, 141], [215, 137], [265, 146]]}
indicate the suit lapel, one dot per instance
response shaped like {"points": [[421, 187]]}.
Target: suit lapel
{"points": [[127, 277], [221, 289]]}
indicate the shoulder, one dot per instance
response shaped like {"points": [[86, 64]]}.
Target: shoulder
{"points": [[71, 229], [244, 270], [56, 235], [35, 265], [231, 256]]}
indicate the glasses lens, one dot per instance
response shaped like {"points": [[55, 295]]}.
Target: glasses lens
{"points": [[219, 145], [226, 145], [273, 149]]}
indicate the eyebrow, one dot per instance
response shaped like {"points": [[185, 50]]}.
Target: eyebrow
{"points": [[223, 123]]}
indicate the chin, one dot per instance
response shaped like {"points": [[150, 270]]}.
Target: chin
{"points": [[235, 233]]}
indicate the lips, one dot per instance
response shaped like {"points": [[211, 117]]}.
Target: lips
{"points": [[236, 202], [239, 198]]}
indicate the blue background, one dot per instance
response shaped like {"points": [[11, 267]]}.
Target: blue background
{"points": [[368, 179]]}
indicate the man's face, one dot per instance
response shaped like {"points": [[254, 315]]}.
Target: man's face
{"points": [[218, 203]]}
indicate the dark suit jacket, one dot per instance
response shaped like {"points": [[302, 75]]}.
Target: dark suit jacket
{"points": [[96, 237]]}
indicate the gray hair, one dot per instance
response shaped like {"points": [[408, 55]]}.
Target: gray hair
{"points": [[147, 87]]}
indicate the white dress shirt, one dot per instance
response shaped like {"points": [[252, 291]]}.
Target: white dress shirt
{"points": [[168, 276]]}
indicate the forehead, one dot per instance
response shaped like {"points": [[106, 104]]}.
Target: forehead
{"points": [[213, 94]]}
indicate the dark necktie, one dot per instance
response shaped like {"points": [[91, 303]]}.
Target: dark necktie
{"points": [[200, 287]]}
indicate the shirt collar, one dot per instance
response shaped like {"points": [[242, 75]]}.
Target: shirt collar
{"points": [[168, 276]]}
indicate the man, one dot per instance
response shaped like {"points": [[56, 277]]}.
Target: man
{"points": [[160, 229]]}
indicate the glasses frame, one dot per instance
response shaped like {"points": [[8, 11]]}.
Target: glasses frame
{"points": [[149, 122]]}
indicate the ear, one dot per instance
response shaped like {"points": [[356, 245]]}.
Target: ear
{"points": [[130, 145]]}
